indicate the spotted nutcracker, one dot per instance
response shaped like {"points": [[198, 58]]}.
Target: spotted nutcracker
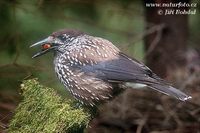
{"points": [[89, 67]]}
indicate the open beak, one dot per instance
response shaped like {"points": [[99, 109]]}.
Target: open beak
{"points": [[40, 43], [40, 53]]}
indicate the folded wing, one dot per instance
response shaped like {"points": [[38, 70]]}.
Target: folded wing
{"points": [[125, 69]]}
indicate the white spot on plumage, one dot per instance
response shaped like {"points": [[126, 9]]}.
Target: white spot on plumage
{"points": [[71, 62], [75, 83], [105, 55], [91, 62], [87, 61], [68, 74], [104, 97], [68, 57], [89, 90], [99, 53], [80, 63], [70, 79], [76, 60], [93, 94], [82, 88], [84, 56]]}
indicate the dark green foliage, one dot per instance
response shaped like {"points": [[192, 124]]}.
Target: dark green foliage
{"points": [[42, 110], [8, 34], [86, 9]]}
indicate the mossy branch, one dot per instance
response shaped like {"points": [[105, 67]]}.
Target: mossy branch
{"points": [[42, 110]]}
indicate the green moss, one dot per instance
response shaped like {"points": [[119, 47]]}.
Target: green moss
{"points": [[42, 110]]}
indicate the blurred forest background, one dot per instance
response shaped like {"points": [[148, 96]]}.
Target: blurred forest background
{"points": [[126, 23]]}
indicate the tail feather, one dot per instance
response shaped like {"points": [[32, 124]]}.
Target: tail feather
{"points": [[162, 86], [171, 91]]}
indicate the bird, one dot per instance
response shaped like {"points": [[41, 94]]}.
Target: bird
{"points": [[90, 67]]}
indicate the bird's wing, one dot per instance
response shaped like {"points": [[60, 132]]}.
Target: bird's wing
{"points": [[122, 69], [125, 69]]}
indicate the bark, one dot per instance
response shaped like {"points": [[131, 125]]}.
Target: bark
{"points": [[166, 45]]}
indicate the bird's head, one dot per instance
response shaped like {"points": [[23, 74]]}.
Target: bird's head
{"points": [[56, 40]]}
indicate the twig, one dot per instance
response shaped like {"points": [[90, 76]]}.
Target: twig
{"points": [[2, 125], [149, 31], [157, 38], [170, 113], [142, 123], [17, 55], [155, 28], [187, 81]]}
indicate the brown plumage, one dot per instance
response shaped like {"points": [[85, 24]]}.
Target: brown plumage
{"points": [[89, 66]]}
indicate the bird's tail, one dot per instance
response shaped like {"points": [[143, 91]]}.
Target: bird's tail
{"points": [[162, 86], [171, 91]]}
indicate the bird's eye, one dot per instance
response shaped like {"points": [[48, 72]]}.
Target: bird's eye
{"points": [[46, 46]]}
